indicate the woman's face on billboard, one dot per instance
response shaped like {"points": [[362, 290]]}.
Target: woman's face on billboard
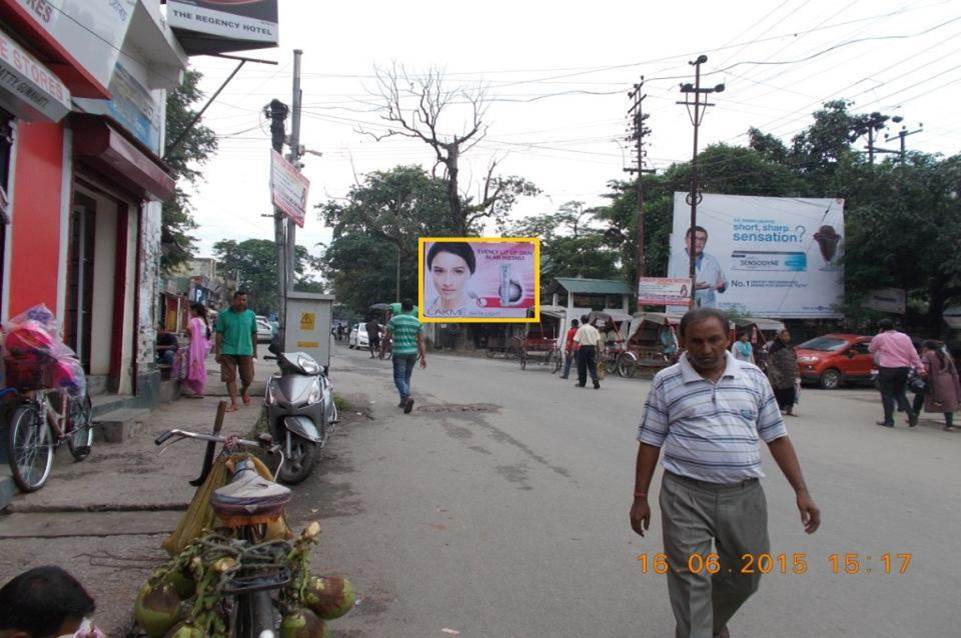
{"points": [[450, 274]]}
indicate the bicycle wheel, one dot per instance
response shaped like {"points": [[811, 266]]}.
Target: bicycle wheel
{"points": [[29, 449], [254, 615], [80, 427], [627, 365]]}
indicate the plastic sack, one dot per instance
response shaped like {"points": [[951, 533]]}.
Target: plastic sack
{"points": [[35, 357], [200, 516], [66, 373]]}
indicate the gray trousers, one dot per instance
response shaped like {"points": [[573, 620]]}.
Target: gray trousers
{"points": [[694, 514]]}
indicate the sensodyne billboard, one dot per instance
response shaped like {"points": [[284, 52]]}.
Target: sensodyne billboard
{"points": [[763, 256]]}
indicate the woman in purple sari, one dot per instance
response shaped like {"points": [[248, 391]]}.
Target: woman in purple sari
{"points": [[198, 331]]}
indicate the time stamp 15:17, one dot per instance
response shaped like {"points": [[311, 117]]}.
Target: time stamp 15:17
{"points": [[791, 563]]}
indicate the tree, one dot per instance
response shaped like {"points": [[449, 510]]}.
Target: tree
{"points": [[417, 107], [196, 148], [254, 264]]}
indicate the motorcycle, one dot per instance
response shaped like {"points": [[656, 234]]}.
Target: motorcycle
{"points": [[300, 412]]}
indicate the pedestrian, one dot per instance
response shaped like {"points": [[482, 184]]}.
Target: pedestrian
{"points": [[236, 347], [587, 341], [943, 390], [405, 332], [198, 331], [373, 335], [46, 602], [742, 348], [668, 340], [166, 345], [569, 349], [710, 492], [895, 356], [782, 372]]}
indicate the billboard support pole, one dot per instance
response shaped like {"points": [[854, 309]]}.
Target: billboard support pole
{"points": [[295, 160], [277, 111], [696, 117]]}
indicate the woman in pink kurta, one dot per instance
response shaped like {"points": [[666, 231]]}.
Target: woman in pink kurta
{"points": [[198, 331]]}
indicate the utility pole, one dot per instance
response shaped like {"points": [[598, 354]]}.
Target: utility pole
{"points": [[295, 160], [694, 196], [903, 133], [638, 131], [277, 111]]}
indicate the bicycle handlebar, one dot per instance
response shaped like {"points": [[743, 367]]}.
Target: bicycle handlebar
{"points": [[210, 438]]}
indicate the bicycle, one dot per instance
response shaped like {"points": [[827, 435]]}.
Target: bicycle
{"points": [[44, 419]]}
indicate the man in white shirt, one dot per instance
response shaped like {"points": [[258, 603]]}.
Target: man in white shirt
{"points": [[710, 279], [586, 341]]}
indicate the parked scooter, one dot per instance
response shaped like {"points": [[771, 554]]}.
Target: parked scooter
{"points": [[300, 412]]}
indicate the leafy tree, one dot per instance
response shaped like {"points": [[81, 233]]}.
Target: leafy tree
{"points": [[254, 263], [184, 160]]}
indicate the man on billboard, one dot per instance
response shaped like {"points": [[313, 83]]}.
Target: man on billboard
{"points": [[709, 277]]}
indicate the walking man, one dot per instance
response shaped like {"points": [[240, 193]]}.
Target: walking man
{"points": [[587, 340], [895, 356], [569, 349], [373, 335], [708, 411], [408, 346], [235, 347]]}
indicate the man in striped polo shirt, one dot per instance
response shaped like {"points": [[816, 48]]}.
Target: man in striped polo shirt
{"points": [[708, 412], [408, 346]]}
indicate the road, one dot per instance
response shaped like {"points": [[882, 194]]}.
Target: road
{"points": [[499, 508]]}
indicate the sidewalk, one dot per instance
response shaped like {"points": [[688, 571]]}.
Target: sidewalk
{"points": [[103, 519]]}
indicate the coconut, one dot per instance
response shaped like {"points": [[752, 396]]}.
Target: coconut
{"points": [[157, 609], [303, 623], [186, 630], [329, 597], [182, 583]]}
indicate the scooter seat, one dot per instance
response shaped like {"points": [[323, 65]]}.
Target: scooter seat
{"points": [[249, 495]]}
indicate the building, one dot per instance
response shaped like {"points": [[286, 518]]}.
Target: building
{"points": [[82, 95]]}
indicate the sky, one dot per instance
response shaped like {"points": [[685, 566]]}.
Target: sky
{"points": [[557, 75]]}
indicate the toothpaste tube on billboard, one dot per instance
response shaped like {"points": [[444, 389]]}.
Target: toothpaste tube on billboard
{"points": [[769, 261]]}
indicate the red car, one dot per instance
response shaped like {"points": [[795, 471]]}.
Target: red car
{"points": [[833, 359]]}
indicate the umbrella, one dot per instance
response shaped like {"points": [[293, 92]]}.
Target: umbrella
{"points": [[380, 306], [602, 319]]}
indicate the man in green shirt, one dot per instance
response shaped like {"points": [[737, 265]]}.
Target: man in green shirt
{"points": [[408, 346], [235, 347]]}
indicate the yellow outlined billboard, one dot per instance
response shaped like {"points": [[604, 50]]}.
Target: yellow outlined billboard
{"points": [[479, 279]]}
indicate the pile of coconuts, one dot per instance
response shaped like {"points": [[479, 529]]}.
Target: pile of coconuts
{"points": [[184, 599]]}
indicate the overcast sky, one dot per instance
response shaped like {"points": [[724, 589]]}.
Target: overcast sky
{"points": [[557, 74]]}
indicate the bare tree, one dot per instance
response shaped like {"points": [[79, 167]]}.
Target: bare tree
{"points": [[413, 106]]}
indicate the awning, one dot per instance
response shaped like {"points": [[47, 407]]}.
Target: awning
{"points": [[104, 148]]}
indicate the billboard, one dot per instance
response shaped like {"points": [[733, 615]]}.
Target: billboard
{"points": [[660, 291], [776, 257], [218, 26], [479, 279], [288, 188]]}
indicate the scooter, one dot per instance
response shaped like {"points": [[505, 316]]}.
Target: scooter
{"points": [[300, 412]]}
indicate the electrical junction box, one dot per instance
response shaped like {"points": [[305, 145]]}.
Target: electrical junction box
{"points": [[309, 317]]}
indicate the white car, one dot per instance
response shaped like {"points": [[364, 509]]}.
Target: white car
{"points": [[358, 337], [264, 332]]}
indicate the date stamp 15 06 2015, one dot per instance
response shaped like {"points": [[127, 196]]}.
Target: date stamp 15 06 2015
{"points": [[788, 563]]}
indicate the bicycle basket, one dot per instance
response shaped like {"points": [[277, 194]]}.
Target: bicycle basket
{"points": [[25, 373]]}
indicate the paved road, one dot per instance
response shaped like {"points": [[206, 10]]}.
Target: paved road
{"points": [[499, 508]]}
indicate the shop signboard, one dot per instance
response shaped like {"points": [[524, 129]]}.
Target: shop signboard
{"points": [[133, 106], [661, 291], [27, 88], [91, 31], [205, 27]]}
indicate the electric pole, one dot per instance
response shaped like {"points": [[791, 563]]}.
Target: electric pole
{"points": [[295, 160], [277, 112], [694, 196], [903, 133], [638, 131], [876, 124]]}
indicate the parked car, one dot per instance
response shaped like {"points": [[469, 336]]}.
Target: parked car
{"points": [[358, 337], [834, 359], [264, 331]]}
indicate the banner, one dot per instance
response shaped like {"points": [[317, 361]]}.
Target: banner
{"points": [[219, 26], [288, 188], [893, 300], [661, 291], [479, 280], [777, 257]]}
